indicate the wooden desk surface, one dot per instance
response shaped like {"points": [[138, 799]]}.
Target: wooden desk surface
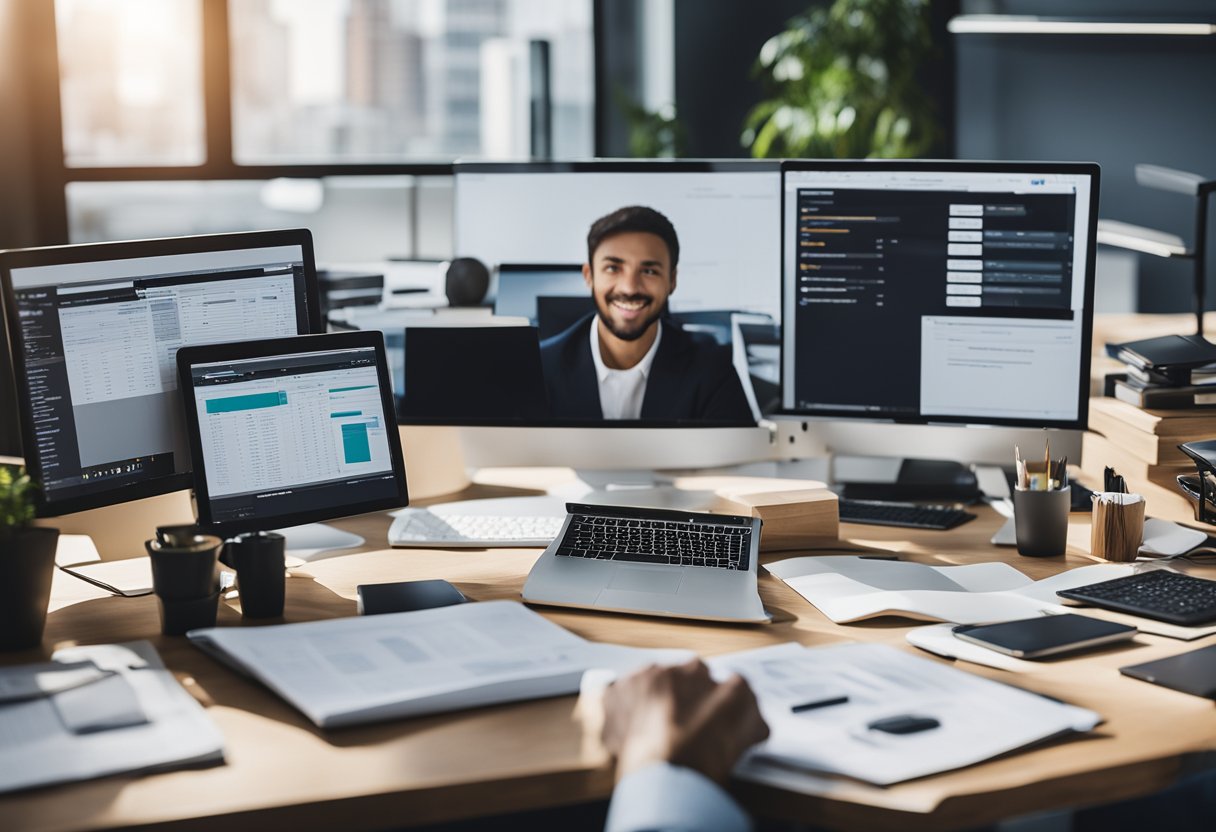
{"points": [[282, 770]]}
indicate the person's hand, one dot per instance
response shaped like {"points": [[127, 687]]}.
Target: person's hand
{"points": [[681, 716]]}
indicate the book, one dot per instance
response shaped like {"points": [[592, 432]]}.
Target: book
{"points": [[796, 513], [1150, 434], [848, 588], [1159, 396], [350, 671], [1198, 376], [1168, 354], [1181, 424]]}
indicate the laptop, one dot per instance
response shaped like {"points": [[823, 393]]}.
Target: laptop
{"points": [[652, 561]]}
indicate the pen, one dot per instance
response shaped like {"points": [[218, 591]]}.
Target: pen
{"points": [[818, 703]]}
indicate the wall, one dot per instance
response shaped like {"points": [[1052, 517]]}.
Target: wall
{"points": [[1110, 99]]}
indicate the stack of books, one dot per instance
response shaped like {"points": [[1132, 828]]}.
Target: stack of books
{"points": [[1174, 371], [1142, 445]]}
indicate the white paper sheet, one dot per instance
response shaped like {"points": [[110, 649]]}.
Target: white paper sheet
{"points": [[36, 749], [978, 718], [355, 670], [849, 589]]}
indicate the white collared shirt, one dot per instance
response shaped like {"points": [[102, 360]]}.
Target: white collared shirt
{"points": [[622, 391]]}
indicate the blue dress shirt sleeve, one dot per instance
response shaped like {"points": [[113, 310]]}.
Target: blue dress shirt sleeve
{"points": [[667, 798]]}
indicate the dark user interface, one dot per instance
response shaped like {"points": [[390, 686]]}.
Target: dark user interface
{"points": [[94, 425], [870, 264]]}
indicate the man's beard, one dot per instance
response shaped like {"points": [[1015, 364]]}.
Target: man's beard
{"points": [[632, 331]]}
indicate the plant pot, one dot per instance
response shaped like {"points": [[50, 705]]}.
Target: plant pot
{"points": [[27, 557]]}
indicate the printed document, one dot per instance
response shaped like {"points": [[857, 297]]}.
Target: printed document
{"points": [[820, 704], [98, 710], [849, 589], [349, 671]]}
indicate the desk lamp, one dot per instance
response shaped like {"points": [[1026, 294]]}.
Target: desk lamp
{"points": [[1159, 243]]}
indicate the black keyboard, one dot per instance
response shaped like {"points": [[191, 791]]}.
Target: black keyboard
{"points": [[674, 538], [1160, 595], [908, 515]]}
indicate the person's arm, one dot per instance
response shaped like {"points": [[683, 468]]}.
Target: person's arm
{"points": [[666, 798], [676, 734]]}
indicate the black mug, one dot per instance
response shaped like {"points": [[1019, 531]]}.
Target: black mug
{"points": [[184, 577], [260, 561]]}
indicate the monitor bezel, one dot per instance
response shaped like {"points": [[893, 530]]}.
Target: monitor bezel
{"points": [[123, 250], [1090, 169], [271, 348]]}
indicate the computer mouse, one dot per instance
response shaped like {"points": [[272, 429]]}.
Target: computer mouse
{"points": [[903, 724]]}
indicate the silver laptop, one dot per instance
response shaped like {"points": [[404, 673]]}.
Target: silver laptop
{"points": [[652, 561]]}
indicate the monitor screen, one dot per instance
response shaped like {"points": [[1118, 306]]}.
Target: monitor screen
{"points": [[254, 406], [520, 287], [644, 335], [955, 292], [95, 329]]}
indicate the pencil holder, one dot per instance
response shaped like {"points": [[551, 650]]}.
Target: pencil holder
{"points": [[1040, 521], [1118, 526]]}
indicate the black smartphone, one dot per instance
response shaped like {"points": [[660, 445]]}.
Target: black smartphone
{"points": [[1047, 635]]}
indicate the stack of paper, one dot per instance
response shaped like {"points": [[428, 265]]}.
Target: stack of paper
{"points": [[98, 710], [349, 671], [820, 704]]}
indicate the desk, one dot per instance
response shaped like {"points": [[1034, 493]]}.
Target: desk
{"points": [[282, 771]]}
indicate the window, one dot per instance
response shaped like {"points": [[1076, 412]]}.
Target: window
{"points": [[376, 80], [130, 80], [358, 97]]}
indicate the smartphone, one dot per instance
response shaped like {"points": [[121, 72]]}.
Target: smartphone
{"points": [[1047, 635]]}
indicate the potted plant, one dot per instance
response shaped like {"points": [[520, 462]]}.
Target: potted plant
{"points": [[842, 81], [28, 556]]}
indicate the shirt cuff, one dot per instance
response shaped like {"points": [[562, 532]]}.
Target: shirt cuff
{"points": [[667, 798]]}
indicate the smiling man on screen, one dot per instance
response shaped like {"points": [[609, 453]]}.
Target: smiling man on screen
{"points": [[630, 360]]}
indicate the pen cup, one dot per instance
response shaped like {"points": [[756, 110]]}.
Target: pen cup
{"points": [[1117, 530], [1040, 521], [184, 578], [259, 559]]}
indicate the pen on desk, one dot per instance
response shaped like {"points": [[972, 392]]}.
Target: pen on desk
{"points": [[818, 703]]}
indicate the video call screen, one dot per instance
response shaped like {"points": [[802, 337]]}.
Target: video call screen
{"points": [[715, 357]]}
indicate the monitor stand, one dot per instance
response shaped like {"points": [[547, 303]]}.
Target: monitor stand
{"points": [[313, 539]]}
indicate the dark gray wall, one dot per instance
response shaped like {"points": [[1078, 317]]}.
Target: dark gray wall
{"points": [[1113, 100]]}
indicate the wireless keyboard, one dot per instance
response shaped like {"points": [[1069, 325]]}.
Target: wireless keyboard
{"points": [[419, 527], [907, 515], [1161, 595]]}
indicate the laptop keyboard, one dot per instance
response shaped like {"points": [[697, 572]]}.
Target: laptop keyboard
{"points": [[1160, 594], [646, 540]]}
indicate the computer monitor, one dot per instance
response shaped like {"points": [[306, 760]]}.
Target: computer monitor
{"points": [[254, 407], [938, 292], [726, 215], [94, 330], [519, 286]]}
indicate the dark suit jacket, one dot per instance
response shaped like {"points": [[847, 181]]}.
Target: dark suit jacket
{"points": [[692, 378]]}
